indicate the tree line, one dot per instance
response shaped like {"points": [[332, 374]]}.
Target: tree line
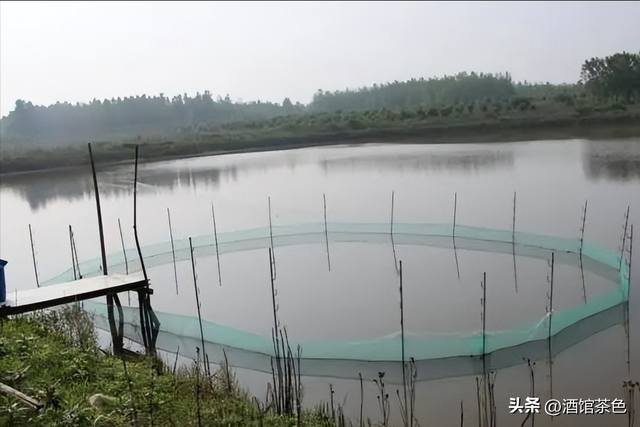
{"points": [[614, 78]]}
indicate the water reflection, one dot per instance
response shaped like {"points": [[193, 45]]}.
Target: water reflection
{"points": [[612, 160], [459, 161], [39, 189]]}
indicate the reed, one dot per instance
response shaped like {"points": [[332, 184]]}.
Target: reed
{"points": [[407, 408], [383, 399]]}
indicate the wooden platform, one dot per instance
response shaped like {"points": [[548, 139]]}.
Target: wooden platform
{"points": [[49, 296]]}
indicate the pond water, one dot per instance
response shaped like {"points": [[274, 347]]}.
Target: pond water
{"points": [[338, 293]]}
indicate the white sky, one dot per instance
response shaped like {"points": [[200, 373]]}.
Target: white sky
{"points": [[78, 51]]}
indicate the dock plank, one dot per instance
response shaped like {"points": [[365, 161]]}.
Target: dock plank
{"points": [[23, 301]]}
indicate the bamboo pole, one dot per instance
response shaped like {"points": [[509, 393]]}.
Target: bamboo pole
{"points": [[173, 251], [75, 252], [147, 318], [33, 254], [455, 212], [124, 252], [624, 237], [273, 252], [584, 220], [135, 227], [404, 374], [393, 193], [485, 378], [627, 311], [361, 399], [630, 259], [326, 233], [280, 395], [582, 230], [73, 260], [513, 227], [195, 288], [215, 235], [103, 252], [513, 243], [550, 327]]}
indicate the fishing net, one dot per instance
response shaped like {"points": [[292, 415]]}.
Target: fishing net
{"points": [[254, 350]]}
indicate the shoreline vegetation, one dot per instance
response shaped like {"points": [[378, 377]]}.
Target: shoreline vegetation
{"points": [[53, 358], [605, 126], [464, 108]]}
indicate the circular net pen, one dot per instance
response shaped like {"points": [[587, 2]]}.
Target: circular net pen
{"points": [[333, 347]]}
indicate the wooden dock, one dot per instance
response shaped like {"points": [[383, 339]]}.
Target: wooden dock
{"points": [[24, 301]]}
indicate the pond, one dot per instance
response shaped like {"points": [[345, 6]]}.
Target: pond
{"points": [[328, 213]]}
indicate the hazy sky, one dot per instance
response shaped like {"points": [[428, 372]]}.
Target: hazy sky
{"points": [[78, 51]]}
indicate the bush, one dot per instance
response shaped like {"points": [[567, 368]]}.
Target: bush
{"points": [[564, 98], [446, 111], [433, 112]]}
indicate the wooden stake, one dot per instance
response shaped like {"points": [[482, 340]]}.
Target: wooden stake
{"points": [[21, 396], [33, 254], [215, 235], [173, 252]]}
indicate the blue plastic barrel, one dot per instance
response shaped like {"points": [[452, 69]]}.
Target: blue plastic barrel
{"points": [[3, 285]]}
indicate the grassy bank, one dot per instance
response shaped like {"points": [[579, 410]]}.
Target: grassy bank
{"points": [[53, 358], [322, 130]]}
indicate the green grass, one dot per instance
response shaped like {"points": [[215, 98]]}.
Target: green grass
{"points": [[53, 358]]}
